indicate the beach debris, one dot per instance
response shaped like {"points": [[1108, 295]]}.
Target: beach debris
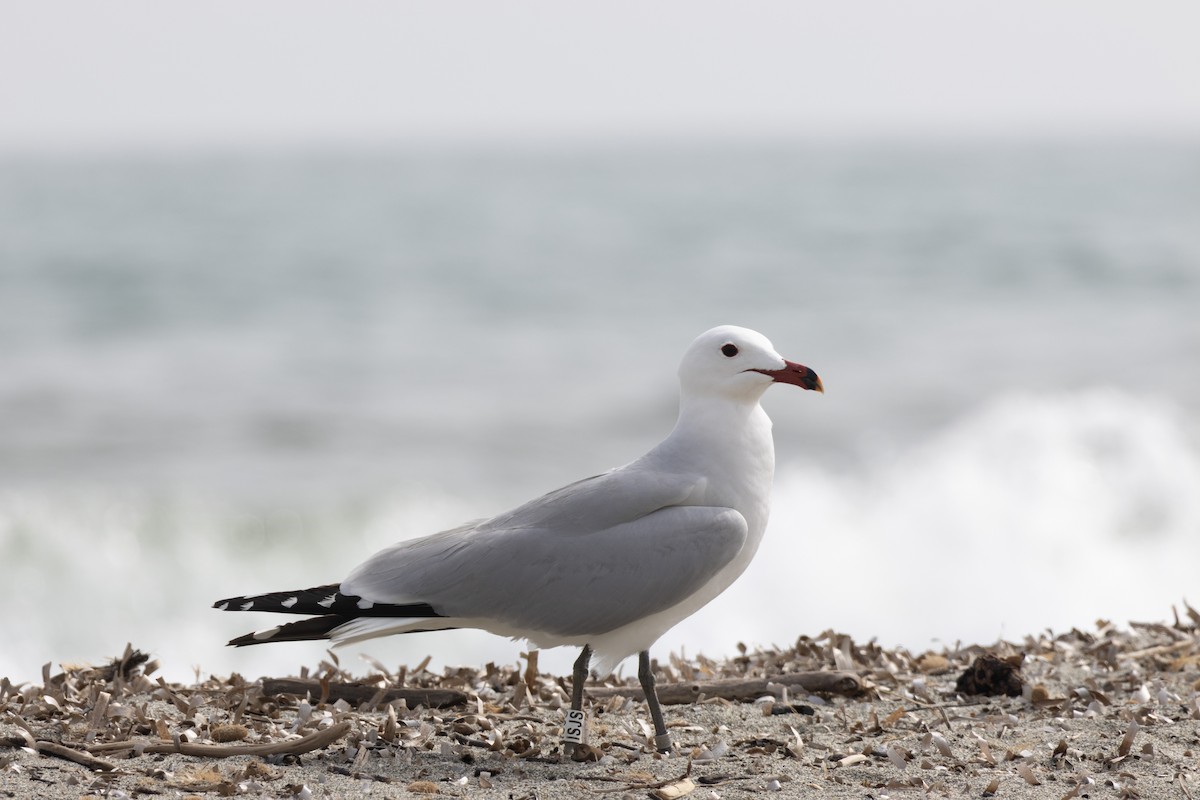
{"points": [[1026, 773], [985, 749], [71, 754], [837, 682], [359, 693], [305, 744], [228, 733], [127, 666], [422, 787], [778, 709], [898, 756], [990, 675], [1087, 705], [933, 663], [675, 790], [1127, 741]]}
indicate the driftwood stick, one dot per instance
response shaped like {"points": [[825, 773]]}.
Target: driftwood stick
{"points": [[1161, 649], [354, 693], [313, 741], [741, 689], [71, 754]]}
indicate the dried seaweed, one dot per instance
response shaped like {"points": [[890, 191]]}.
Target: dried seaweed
{"points": [[991, 675]]}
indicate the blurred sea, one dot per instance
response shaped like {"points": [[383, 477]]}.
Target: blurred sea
{"points": [[229, 373]]}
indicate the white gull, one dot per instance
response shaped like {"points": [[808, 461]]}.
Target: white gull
{"points": [[609, 563]]}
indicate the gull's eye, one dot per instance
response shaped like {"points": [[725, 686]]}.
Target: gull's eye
{"points": [[730, 350]]}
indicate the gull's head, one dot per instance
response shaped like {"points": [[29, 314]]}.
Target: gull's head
{"points": [[738, 363]]}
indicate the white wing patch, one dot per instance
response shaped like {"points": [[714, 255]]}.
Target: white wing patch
{"points": [[267, 634], [370, 627]]}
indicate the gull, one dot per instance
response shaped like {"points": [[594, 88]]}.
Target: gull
{"points": [[607, 564]]}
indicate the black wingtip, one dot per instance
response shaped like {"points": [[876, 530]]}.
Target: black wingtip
{"points": [[322, 601], [304, 630]]}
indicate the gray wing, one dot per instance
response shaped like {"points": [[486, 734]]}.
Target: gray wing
{"points": [[586, 559], [593, 504]]}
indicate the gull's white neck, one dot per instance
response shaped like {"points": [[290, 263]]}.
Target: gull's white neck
{"points": [[728, 442]]}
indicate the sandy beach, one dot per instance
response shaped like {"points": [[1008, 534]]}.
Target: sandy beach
{"points": [[1104, 712]]}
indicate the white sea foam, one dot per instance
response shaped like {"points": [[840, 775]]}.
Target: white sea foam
{"points": [[1030, 512]]}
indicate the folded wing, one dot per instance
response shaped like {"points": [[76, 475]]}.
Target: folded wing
{"points": [[589, 558]]}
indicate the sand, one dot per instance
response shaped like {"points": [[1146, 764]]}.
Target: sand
{"points": [[1111, 712]]}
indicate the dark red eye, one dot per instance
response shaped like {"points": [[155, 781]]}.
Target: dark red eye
{"points": [[729, 350]]}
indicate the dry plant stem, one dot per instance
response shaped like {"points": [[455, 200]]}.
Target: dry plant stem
{"points": [[313, 741], [662, 739], [354, 693], [1162, 649], [71, 754], [578, 677], [741, 689], [634, 787]]}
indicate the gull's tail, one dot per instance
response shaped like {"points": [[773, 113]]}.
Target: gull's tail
{"points": [[333, 615]]}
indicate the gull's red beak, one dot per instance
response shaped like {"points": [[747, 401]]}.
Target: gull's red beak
{"points": [[795, 374]]}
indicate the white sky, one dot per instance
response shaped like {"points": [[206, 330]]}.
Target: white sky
{"points": [[124, 73]]}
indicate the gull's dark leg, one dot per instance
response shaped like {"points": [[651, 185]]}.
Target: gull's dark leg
{"points": [[662, 739], [573, 729]]}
